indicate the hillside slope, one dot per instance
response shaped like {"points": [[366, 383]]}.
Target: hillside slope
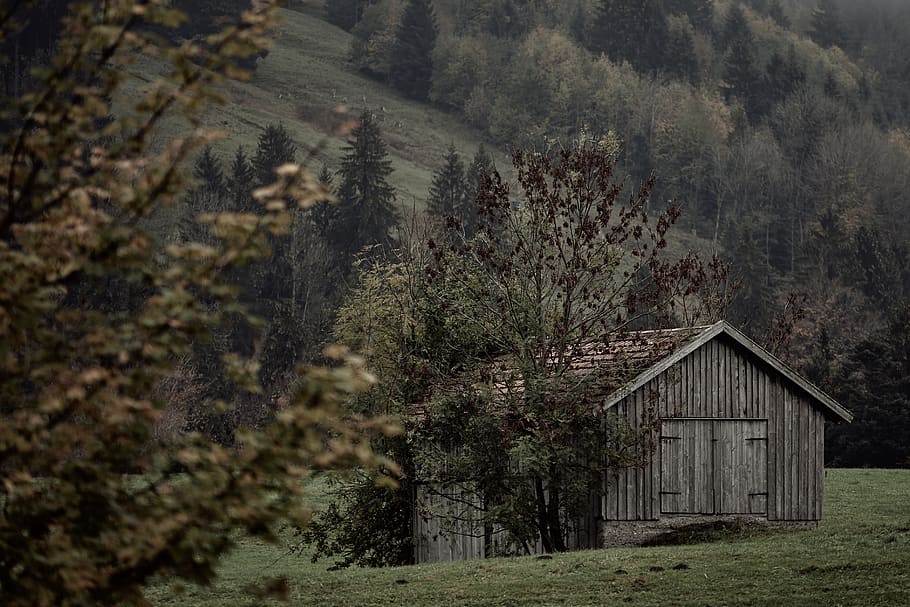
{"points": [[302, 82]]}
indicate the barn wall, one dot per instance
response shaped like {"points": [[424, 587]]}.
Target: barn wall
{"points": [[722, 381], [447, 526]]}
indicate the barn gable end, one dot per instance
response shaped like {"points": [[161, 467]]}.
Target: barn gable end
{"points": [[739, 434]]}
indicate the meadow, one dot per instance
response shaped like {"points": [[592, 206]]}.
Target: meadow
{"points": [[859, 555]]}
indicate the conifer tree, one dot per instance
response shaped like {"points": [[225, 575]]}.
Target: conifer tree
{"points": [[275, 147], [735, 29], [239, 182], [412, 56], [827, 29], [343, 13], [448, 190], [207, 196], [699, 12], [366, 210], [681, 60], [631, 30], [776, 12]]}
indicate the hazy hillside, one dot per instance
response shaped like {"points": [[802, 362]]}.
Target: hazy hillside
{"points": [[302, 83]]}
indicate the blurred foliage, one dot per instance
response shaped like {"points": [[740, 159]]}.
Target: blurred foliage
{"points": [[98, 321]]}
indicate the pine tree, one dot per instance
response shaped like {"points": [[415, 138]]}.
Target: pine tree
{"points": [[412, 55], [239, 182], [630, 30], [776, 12], [735, 29], [448, 190], [343, 13], [208, 173], [681, 60], [367, 202], [275, 148], [699, 12], [742, 77], [827, 29]]}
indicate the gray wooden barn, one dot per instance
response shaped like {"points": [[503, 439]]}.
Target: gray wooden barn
{"points": [[740, 434]]}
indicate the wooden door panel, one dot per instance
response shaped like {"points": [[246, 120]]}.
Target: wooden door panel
{"points": [[740, 460], [713, 466]]}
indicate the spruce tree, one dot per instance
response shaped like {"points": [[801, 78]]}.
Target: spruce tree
{"points": [[449, 189], [343, 13], [275, 148], [366, 211], [699, 12], [735, 29], [776, 12], [631, 30], [412, 55], [239, 182], [827, 29], [681, 60]]}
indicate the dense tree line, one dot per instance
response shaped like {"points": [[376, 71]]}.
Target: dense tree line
{"points": [[779, 127]]}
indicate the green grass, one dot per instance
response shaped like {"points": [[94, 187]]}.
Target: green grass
{"points": [[859, 555]]}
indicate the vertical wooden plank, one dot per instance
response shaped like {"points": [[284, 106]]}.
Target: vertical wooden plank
{"points": [[820, 470], [805, 494]]}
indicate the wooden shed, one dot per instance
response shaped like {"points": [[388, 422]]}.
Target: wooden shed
{"points": [[739, 434]]}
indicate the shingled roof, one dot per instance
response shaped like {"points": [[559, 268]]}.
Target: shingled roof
{"points": [[628, 360]]}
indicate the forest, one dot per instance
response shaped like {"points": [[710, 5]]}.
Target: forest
{"points": [[769, 138]]}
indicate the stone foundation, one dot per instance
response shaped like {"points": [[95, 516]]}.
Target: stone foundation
{"points": [[681, 529]]}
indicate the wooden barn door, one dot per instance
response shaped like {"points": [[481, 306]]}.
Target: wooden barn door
{"points": [[741, 467], [713, 466]]}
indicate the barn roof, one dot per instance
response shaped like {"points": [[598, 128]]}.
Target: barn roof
{"points": [[653, 352]]}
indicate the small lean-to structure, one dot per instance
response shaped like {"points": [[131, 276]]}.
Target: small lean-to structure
{"points": [[737, 434]]}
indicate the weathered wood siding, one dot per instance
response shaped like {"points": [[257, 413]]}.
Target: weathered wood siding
{"points": [[447, 526], [721, 381]]}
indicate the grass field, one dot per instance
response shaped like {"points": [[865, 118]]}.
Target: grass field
{"points": [[859, 555]]}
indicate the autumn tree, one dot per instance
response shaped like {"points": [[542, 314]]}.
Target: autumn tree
{"points": [[483, 335], [93, 507]]}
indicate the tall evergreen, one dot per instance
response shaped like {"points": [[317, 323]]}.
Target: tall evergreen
{"points": [[776, 12], [412, 55], [631, 30], [344, 13], [741, 75], [735, 29], [206, 197], [367, 202], [208, 173], [681, 60], [239, 182], [275, 147], [449, 189], [827, 29], [699, 12]]}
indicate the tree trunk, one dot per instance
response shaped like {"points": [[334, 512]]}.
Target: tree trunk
{"points": [[542, 518]]}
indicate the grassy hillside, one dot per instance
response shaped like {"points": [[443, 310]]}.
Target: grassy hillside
{"points": [[860, 555], [305, 77]]}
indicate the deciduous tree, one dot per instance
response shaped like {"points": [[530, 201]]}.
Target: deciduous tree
{"points": [[92, 506]]}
